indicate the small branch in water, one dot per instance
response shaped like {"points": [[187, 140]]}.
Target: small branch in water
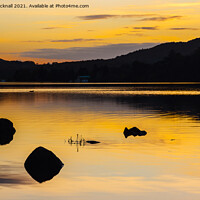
{"points": [[80, 142]]}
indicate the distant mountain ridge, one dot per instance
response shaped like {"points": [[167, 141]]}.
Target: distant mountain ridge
{"points": [[159, 52], [174, 61]]}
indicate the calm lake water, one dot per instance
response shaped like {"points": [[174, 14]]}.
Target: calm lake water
{"points": [[163, 165]]}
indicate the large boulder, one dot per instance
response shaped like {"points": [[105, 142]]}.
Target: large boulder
{"points": [[134, 132], [42, 164], [6, 131]]}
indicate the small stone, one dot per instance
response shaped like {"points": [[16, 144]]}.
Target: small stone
{"points": [[92, 142], [134, 132]]}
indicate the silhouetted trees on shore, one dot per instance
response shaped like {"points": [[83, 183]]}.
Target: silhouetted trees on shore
{"points": [[173, 67]]}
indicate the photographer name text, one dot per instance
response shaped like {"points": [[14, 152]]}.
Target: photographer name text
{"points": [[43, 5]]}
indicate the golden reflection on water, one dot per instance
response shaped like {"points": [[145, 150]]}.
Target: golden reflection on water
{"points": [[105, 91], [164, 164]]}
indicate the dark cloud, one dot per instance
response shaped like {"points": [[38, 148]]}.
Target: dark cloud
{"points": [[130, 34], [77, 40], [160, 18], [93, 17], [87, 53], [182, 29], [36, 41], [96, 17], [146, 28], [72, 40]]}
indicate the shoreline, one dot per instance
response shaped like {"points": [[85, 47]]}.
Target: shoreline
{"points": [[99, 84]]}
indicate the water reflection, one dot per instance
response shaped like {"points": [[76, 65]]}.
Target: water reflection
{"points": [[173, 104], [12, 175], [163, 164]]}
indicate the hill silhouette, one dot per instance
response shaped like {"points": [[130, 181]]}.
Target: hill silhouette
{"points": [[175, 61], [159, 52]]}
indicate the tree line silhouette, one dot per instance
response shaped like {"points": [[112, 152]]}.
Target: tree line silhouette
{"points": [[174, 66]]}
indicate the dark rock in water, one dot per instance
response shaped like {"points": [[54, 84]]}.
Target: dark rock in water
{"points": [[92, 142], [6, 131], [42, 164], [134, 131]]}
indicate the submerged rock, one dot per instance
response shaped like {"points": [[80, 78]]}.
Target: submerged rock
{"points": [[42, 164], [6, 131], [134, 131], [92, 142]]}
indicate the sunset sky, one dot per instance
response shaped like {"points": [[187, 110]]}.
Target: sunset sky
{"points": [[104, 30]]}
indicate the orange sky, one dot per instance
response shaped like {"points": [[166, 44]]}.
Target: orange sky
{"points": [[47, 35]]}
